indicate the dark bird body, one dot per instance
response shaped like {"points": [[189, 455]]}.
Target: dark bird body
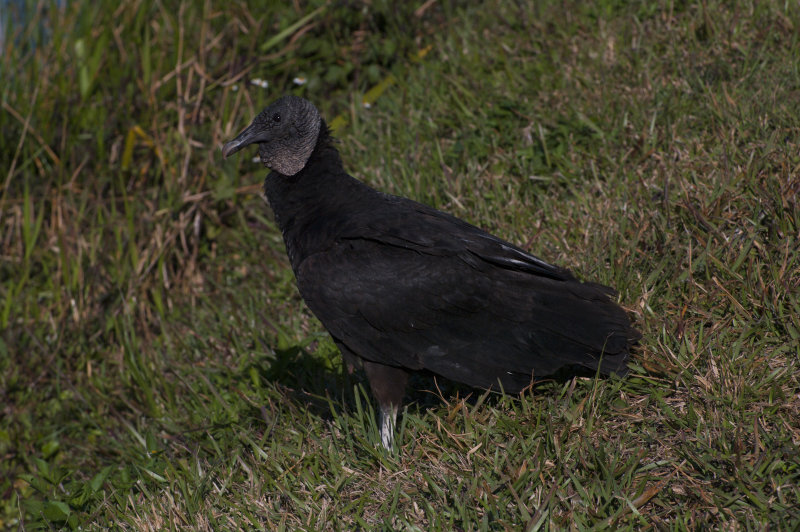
{"points": [[401, 286]]}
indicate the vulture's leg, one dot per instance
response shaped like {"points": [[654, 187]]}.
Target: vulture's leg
{"points": [[388, 385]]}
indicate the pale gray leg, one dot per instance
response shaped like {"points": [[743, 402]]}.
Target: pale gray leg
{"points": [[388, 420], [388, 384]]}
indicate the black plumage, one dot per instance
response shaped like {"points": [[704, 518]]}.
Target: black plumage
{"points": [[401, 286]]}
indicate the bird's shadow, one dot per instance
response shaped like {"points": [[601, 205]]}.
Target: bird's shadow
{"points": [[325, 389]]}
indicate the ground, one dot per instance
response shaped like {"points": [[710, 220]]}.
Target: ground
{"points": [[159, 370]]}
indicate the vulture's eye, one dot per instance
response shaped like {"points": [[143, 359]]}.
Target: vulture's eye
{"points": [[276, 118]]}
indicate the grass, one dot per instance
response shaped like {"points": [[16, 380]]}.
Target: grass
{"points": [[158, 369]]}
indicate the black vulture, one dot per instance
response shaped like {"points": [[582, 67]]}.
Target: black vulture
{"points": [[403, 287]]}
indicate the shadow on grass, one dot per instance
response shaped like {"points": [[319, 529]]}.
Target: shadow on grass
{"points": [[326, 390]]}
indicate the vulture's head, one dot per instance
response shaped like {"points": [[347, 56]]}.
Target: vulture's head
{"points": [[286, 133]]}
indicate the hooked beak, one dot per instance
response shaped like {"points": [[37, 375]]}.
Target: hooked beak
{"points": [[252, 134]]}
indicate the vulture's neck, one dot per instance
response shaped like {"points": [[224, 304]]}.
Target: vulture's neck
{"points": [[315, 205]]}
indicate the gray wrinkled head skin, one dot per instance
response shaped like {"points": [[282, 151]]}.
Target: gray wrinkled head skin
{"points": [[286, 133]]}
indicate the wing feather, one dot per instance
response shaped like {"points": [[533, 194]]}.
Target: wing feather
{"points": [[413, 305]]}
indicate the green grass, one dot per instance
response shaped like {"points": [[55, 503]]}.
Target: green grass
{"points": [[158, 369]]}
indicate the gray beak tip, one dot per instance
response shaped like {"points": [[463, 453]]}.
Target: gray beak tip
{"points": [[229, 149]]}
